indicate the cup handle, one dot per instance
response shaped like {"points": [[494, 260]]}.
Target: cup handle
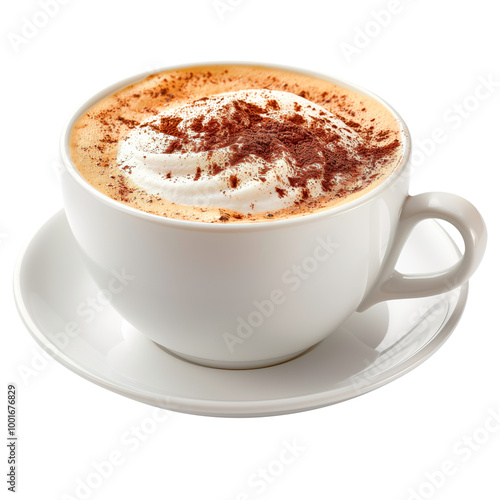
{"points": [[391, 284]]}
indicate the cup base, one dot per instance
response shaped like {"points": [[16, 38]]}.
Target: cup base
{"points": [[236, 365]]}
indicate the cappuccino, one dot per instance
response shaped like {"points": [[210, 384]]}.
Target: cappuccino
{"points": [[235, 143]]}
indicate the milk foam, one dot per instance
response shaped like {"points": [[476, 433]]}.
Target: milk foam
{"points": [[188, 177]]}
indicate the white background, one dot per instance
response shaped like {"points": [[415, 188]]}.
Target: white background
{"points": [[428, 58]]}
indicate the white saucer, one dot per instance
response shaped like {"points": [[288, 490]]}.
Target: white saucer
{"points": [[55, 297]]}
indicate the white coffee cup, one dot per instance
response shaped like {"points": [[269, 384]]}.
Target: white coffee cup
{"points": [[247, 295]]}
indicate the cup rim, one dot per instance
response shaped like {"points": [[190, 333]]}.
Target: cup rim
{"points": [[233, 226]]}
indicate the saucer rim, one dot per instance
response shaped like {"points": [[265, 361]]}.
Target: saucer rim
{"points": [[228, 408]]}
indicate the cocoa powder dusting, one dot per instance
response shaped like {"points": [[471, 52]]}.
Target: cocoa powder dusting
{"points": [[233, 181], [249, 132]]}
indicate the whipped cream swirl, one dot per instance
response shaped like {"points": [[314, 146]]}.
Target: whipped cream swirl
{"points": [[250, 151]]}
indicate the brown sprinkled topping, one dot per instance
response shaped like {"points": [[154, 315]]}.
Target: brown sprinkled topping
{"points": [[247, 130], [127, 122], [281, 192], [233, 181]]}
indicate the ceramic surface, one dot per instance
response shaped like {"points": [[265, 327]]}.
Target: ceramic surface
{"points": [[71, 318]]}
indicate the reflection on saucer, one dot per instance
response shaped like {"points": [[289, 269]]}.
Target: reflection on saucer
{"points": [[343, 354]]}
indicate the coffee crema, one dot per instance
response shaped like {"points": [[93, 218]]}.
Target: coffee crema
{"points": [[235, 143]]}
